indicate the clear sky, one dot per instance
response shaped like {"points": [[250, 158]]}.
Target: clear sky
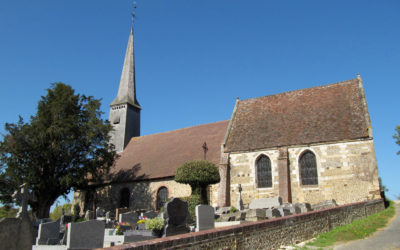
{"points": [[193, 58]]}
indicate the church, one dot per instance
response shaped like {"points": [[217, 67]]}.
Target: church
{"points": [[307, 145]]}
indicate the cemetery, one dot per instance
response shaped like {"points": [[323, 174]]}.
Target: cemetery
{"points": [[102, 229]]}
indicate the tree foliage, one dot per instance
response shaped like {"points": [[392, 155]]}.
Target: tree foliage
{"points": [[397, 137], [65, 145], [198, 174], [57, 212]]}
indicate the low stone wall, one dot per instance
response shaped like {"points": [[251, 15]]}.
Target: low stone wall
{"points": [[268, 234]]}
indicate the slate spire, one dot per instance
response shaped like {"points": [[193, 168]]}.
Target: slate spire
{"points": [[127, 85]]}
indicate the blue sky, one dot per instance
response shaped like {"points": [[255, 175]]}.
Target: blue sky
{"points": [[193, 58]]}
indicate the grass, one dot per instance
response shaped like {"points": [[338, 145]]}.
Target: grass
{"points": [[358, 229]]}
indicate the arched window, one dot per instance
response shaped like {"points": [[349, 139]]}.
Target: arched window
{"points": [[162, 196], [264, 175], [308, 169], [125, 195]]}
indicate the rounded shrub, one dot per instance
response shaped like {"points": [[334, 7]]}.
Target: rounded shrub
{"points": [[198, 174]]}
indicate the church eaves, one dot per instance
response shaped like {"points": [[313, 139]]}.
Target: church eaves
{"points": [[127, 85]]}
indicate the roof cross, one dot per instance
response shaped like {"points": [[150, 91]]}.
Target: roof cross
{"points": [[205, 148]]}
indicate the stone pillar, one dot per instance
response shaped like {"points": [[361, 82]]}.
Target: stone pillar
{"points": [[224, 198], [284, 175]]}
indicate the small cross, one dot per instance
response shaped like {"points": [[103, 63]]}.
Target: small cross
{"points": [[205, 148]]}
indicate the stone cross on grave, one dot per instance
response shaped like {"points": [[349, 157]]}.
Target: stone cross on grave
{"points": [[22, 197], [205, 149], [240, 201]]}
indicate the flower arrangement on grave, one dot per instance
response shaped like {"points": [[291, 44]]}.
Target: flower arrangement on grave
{"points": [[142, 219], [118, 227], [155, 224]]}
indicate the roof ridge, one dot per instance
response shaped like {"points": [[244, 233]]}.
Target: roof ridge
{"points": [[170, 131], [315, 87]]}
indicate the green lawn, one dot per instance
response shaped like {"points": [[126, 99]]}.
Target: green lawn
{"points": [[358, 229]]}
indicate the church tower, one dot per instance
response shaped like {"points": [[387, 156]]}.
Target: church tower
{"points": [[125, 109]]}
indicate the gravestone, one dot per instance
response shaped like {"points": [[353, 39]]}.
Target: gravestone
{"points": [[99, 212], [65, 219], [291, 208], [204, 217], [255, 214], [89, 215], [176, 213], [150, 214], [119, 211], [303, 207], [85, 235], [240, 201], [324, 205], [22, 197], [265, 203], [108, 217], [48, 232], [222, 210], [16, 233], [130, 217], [273, 213]]}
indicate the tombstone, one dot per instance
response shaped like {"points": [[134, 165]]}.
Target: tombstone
{"points": [[255, 214], [65, 219], [273, 213], [240, 201], [99, 212], [324, 205], [266, 203], [176, 213], [16, 233], [130, 217], [204, 217], [222, 210], [119, 211], [89, 215], [108, 217], [150, 214], [22, 196], [85, 235], [303, 207], [290, 207], [48, 233]]}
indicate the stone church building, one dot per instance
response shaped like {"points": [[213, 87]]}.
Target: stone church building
{"points": [[307, 145]]}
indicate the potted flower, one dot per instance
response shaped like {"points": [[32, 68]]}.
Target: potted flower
{"points": [[155, 225], [141, 223], [120, 227]]}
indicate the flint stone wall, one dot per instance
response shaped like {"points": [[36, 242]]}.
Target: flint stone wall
{"points": [[267, 234]]}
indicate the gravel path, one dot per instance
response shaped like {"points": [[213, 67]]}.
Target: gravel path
{"points": [[387, 238]]}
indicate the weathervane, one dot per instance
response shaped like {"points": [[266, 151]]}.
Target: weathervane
{"points": [[133, 12]]}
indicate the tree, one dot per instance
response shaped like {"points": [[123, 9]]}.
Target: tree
{"points": [[63, 147], [58, 211], [397, 137], [198, 174]]}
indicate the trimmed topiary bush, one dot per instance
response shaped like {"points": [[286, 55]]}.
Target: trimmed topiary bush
{"points": [[198, 174]]}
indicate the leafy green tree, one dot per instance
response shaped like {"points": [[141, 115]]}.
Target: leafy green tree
{"points": [[397, 137], [64, 146], [57, 212], [198, 174]]}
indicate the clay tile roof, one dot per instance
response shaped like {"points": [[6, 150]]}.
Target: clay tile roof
{"points": [[159, 155], [327, 113]]}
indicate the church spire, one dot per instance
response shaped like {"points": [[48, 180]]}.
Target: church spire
{"points": [[127, 85]]}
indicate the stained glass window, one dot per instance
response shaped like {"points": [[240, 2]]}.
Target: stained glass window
{"points": [[264, 175], [308, 168]]}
